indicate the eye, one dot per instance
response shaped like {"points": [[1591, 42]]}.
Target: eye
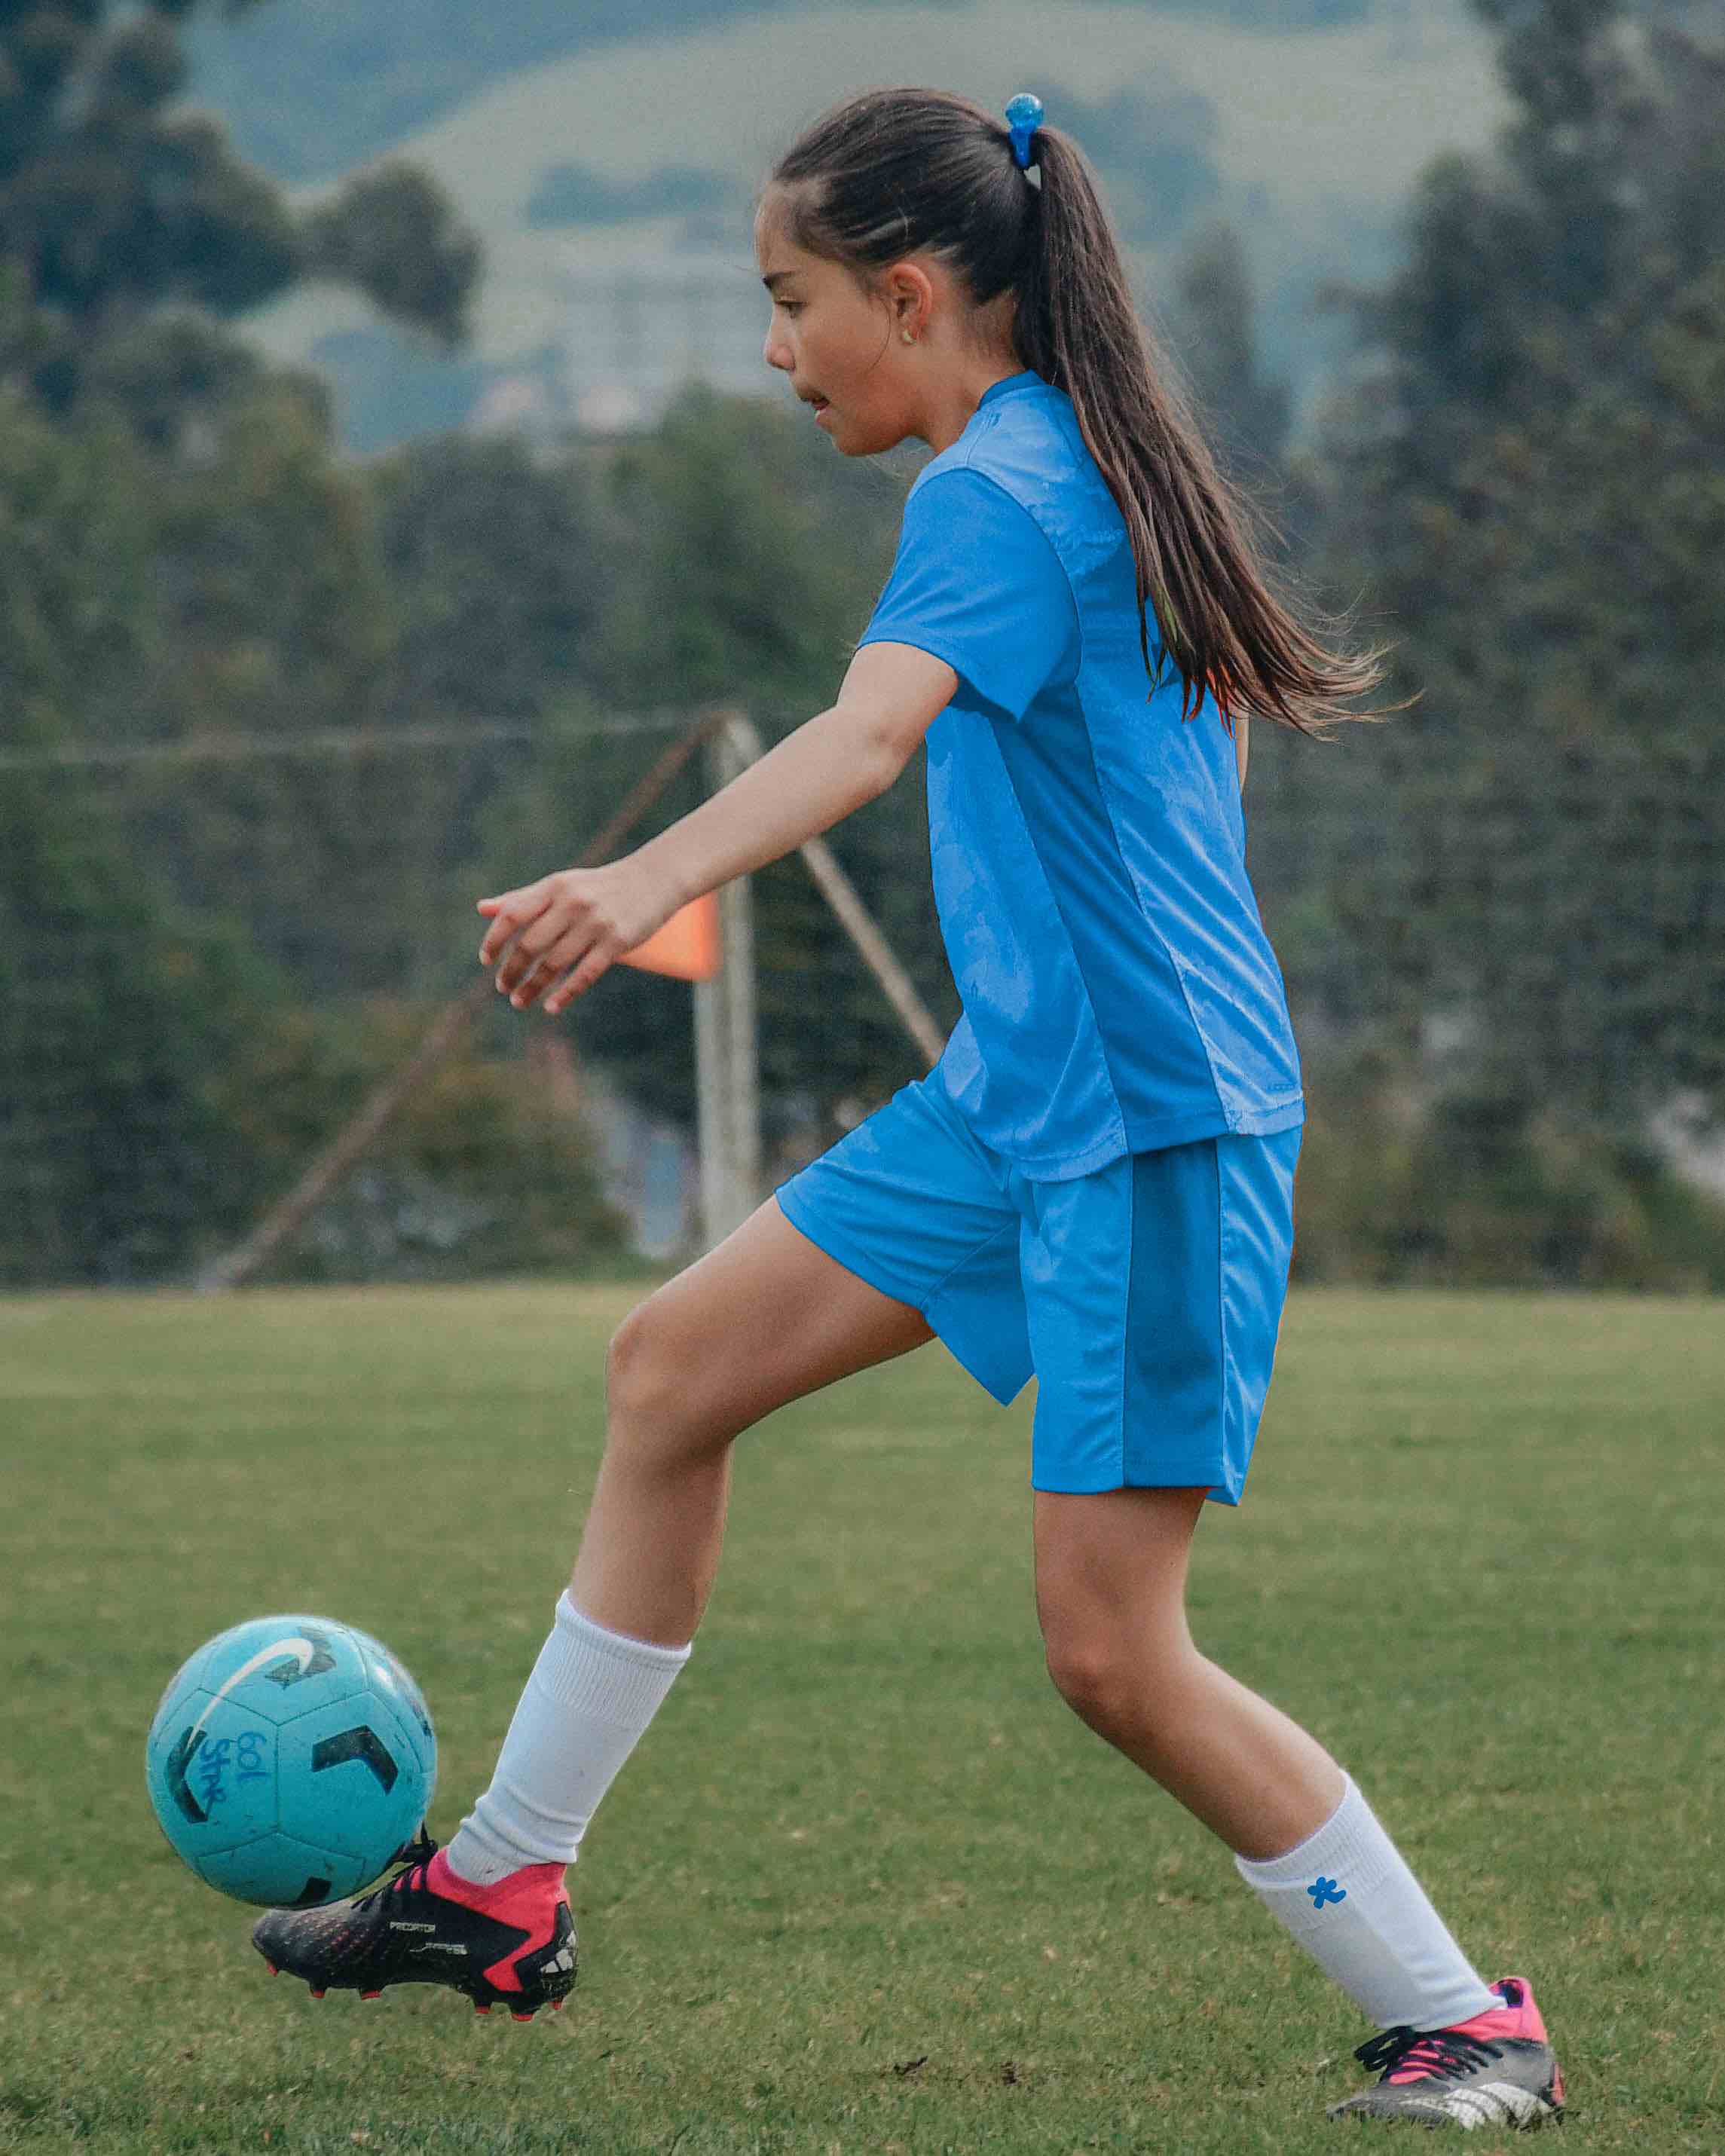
{"points": [[791, 306]]}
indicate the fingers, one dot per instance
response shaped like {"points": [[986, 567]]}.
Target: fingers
{"points": [[507, 923], [577, 982], [531, 956], [511, 913], [538, 933], [572, 985], [526, 973]]}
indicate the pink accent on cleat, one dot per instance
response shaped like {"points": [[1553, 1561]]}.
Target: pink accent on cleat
{"points": [[1518, 2017], [520, 2017], [315, 1993], [528, 1899], [272, 1968], [371, 1994], [478, 2009]]}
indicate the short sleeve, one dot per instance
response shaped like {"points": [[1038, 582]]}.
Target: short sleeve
{"points": [[977, 582]]}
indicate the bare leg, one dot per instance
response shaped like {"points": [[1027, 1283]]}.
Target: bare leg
{"points": [[1255, 1777], [1111, 1584], [762, 1319], [766, 1318], [1111, 1591], [650, 1550]]}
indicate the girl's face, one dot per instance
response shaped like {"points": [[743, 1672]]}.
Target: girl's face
{"points": [[835, 345], [844, 351]]}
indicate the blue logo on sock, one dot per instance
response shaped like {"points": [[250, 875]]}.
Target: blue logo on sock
{"points": [[1324, 1890]]}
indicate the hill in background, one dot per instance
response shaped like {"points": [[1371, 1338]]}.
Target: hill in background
{"points": [[609, 159], [316, 86]]}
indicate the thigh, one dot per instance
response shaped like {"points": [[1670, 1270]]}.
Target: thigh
{"points": [[1111, 1569], [765, 1317]]}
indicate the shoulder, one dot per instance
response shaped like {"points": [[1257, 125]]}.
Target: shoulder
{"points": [[1030, 451], [960, 490], [965, 525]]}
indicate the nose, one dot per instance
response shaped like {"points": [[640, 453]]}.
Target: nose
{"points": [[776, 351]]}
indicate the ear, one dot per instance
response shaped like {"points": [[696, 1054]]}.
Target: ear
{"points": [[909, 293]]}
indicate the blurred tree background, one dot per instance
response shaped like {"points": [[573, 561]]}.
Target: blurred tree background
{"points": [[1527, 475], [275, 718]]}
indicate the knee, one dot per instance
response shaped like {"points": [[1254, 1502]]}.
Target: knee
{"points": [[652, 1405], [1107, 1673], [641, 1381], [1088, 1673], [627, 1360]]}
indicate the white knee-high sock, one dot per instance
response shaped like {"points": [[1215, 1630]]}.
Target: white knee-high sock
{"points": [[1347, 1896], [591, 1695]]}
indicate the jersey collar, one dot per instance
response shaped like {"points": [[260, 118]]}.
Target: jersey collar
{"points": [[1010, 385]]}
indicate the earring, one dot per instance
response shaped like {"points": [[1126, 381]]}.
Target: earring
{"points": [[908, 338]]}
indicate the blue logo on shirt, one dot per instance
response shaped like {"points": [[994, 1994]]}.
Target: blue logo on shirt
{"points": [[1324, 1890]]}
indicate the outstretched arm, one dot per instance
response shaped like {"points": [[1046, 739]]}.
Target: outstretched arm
{"points": [[813, 779]]}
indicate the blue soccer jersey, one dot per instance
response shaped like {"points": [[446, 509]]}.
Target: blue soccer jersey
{"points": [[1087, 844]]}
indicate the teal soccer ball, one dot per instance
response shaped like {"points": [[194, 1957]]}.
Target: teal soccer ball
{"points": [[290, 1760]]}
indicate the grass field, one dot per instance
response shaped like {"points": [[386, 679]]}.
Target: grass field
{"points": [[869, 1885]]}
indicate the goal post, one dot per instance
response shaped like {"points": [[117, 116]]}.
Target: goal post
{"points": [[728, 1065]]}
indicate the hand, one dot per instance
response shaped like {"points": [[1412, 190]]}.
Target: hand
{"points": [[575, 918]]}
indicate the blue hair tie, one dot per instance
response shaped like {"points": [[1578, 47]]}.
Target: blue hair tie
{"points": [[1023, 117]]}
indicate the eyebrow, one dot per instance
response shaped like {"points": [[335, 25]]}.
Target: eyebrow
{"points": [[773, 276]]}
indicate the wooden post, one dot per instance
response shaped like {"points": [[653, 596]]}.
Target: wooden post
{"points": [[727, 1042]]}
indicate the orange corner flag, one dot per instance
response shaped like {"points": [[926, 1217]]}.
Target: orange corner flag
{"points": [[687, 946]]}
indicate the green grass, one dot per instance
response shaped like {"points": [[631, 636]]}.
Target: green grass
{"points": [[868, 1884]]}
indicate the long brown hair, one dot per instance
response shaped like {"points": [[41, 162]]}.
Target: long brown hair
{"points": [[891, 173]]}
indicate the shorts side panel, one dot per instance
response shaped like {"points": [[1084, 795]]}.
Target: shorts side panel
{"points": [[1154, 1290], [1121, 1279], [1257, 1184]]}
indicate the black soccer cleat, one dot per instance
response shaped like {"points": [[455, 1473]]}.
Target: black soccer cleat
{"points": [[517, 1950], [1497, 2070]]}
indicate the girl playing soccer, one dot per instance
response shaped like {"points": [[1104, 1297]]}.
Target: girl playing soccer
{"points": [[1096, 1181]]}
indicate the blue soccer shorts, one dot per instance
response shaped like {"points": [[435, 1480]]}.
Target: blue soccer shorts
{"points": [[1145, 1297]]}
